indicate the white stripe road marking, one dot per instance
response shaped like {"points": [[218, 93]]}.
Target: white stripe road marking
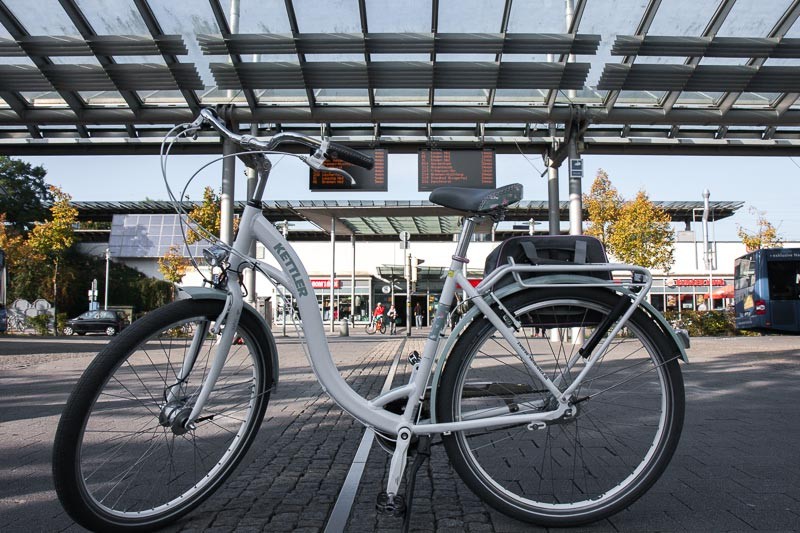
{"points": [[344, 502]]}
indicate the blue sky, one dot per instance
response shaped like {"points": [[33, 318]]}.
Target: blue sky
{"points": [[767, 183]]}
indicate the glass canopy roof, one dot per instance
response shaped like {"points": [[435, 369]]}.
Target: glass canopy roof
{"points": [[114, 68]]}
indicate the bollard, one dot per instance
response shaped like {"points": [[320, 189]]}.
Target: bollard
{"points": [[344, 328]]}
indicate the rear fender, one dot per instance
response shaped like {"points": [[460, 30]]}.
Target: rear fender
{"points": [[208, 293], [678, 343]]}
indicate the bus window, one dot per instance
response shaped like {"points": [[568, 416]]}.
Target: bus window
{"points": [[783, 279]]}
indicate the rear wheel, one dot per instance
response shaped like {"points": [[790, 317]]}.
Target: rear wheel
{"points": [[68, 331], [122, 458], [576, 470], [382, 327], [111, 331]]}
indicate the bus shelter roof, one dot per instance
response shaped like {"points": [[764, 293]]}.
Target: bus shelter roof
{"points": [[638, 76]]}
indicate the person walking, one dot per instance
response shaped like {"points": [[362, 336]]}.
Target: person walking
{"points": [[418, 315], [391, 315]]}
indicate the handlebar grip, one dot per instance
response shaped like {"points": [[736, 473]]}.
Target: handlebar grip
{"points": [[355, 157]]}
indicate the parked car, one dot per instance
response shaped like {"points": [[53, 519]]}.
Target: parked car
{"points": [[107, 322]]}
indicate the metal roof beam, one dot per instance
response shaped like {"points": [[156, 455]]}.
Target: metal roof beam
{"points": [[18, 31], [301, 57], [16, 102], [580, 7], [170, 59], [434, 31], [711, 29], [499, 56], [222, 22], [642, 29], [785, 101], [87, 32], [780, 29], [362, 15]]}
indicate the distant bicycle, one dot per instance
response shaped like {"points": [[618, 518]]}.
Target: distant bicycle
{"points": [[374, 325]]}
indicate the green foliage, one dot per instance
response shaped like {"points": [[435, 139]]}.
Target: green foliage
{"points": [[53, 237], [633, 231], [766, 236], [642, 235], [23, 193], [705, 323], [207, 215], [40, 324], [61, 321], [603, 204], [173, 265]]}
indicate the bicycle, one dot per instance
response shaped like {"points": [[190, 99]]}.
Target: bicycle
{"points": [[376, 324], [546, 430]]}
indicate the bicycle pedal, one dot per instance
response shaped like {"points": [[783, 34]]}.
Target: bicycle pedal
{"points": [[414, 358], [395, 506]]}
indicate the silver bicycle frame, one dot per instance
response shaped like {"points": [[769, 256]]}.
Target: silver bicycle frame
{"points": [[293, 276]]}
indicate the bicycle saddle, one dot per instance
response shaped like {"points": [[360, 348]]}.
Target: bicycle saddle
{"points": [[479, 201]]}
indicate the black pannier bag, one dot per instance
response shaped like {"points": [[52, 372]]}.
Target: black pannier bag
{"points": [[547, 250], [551, 250]]}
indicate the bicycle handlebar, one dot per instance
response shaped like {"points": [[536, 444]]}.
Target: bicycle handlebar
{"points": [[329, 150]]}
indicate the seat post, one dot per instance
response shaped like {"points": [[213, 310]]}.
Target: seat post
{"points": [[467, 228]]}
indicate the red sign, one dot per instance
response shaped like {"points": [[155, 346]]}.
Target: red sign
{"points": [[693, 282], [326, 284], [473, 282]]}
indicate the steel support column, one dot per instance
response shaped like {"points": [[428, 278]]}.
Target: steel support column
{"points": [[333, 270], [575, 192], [353, 282], [226, 196], [553, 204], [249, 274]]}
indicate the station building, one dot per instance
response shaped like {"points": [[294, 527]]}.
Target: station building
{"points": [[359, 242]]}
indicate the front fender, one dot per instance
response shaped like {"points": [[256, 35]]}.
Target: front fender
{"points": [[208, 293], [679, 342]]}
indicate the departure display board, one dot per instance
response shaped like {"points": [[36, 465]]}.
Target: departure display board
{"points": [[459, 168], [366, 180]]}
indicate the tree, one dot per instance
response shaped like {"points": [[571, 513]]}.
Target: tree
{"points": [[766, 236], [53, 238], [642, 234], [603, 204], [24, 195], [173, 266], [208, 215]]}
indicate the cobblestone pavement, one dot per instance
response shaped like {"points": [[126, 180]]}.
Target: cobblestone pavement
{"points": [[736, 468]]}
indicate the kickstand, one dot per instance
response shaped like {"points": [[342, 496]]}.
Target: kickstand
{"points": [[423, 452]]}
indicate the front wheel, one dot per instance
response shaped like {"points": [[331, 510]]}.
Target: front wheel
{"points": [[579, 469], [122, 459], [370, 328], [111, 331]]}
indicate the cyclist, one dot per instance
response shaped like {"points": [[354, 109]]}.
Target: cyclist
{"points": [[377, 315]]}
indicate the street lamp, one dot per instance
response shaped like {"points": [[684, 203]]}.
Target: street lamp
{"points": [[108, 261]]}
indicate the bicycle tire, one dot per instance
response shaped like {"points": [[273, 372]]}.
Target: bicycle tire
{"points": [[112, 415], [383, 328], [370, 329], [594, 464]]}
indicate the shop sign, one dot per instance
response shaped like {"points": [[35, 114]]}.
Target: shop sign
{"points": [[326, 284], [693, 282]]}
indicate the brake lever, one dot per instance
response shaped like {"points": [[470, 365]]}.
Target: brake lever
{"points": [[317, 164]]}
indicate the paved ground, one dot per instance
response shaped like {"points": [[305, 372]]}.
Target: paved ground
{"points": [[737, 467]]}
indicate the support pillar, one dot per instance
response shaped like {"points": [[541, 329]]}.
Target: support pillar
{"points": [[553, 204], [353, 282], [333, 272], [228, 187], [575, 192]]}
